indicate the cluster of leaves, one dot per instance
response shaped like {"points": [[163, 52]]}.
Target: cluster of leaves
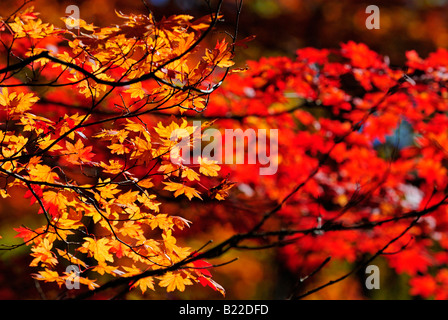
{"points": [[76, 135], [362, 159], [87, 132]]}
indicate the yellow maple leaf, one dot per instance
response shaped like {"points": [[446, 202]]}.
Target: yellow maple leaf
{"points": [[56, 198], [78, 23], [43, 173], [32, 28], [131, 229], [103, 268], [46, 141], [169, 242], [145, 283], [118, 148], [109, 190], [147, 201], [169, 168], [143, 147], [134, 126], [17, 102], [71, 122], [174, 131], [173, 281], [146, 183], [88, 282], [42, 254], [190, 174], [6, 97], [96, 216], [114, 167], [113, 135], [48, 275], [77, 153], [162, 221], [99, 249], [208, 167], [179, 188], [128, 198], [136, 90], [221, 55]]}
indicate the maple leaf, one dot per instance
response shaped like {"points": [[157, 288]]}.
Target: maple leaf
{"points": [[338, 112], [206, 281], [208, 167], [113, 135], [134, 126], [33, 28], [118, 248], [78, 23], [179, 188], [360, 55], [190, 174], [174, 280], [161, 221], [181, 222], [43, 255], [144, 284], [147, 201], [221, 191], [144, 150], [114, 167], [128, 197], [119, 148], [136, 90], [103, 268], [131, 229], [131, 271], [17, 102], [25, 233], [201, 267], [56, 198], [99, 249], [96, 216], [108, 191], [77, 153], [221, 55], [169, 168], [146, 183], [48, 275], [88, 282], [43, 173], [46, 142], [169, 242], [174, 131], [33, 195]]}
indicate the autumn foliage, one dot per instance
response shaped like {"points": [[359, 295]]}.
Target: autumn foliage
{"points": [[88, 122], [91, 166]]}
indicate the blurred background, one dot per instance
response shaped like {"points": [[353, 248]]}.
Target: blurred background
{"points": [[281, 27]]}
